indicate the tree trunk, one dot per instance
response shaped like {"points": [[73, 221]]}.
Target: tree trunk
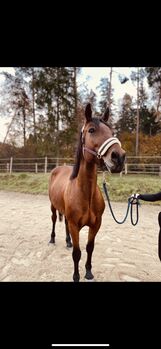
{"points": [[75, 90], [158, 105], [137, 119], [24, 125], [33, 103], [109, 96]]}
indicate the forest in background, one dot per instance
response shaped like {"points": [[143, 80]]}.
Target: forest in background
{"points": [[45, 107]]}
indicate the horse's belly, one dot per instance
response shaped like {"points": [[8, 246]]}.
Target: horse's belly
{"points": [[58, 182], [56, 197]]}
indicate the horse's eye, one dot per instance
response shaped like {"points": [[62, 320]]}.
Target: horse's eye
{"points": [[91, 130]]}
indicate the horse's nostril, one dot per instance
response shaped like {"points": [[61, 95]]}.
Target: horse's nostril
{"points": [[115, 156]]}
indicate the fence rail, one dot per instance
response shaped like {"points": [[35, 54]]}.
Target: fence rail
{"points": [[133, 165]]}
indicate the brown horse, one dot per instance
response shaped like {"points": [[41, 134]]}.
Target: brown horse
{"points": [[73, 191]]}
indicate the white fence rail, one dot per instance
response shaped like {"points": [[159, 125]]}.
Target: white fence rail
{"points": [[36, 165], [133, 165]]}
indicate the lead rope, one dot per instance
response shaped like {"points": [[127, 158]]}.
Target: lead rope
{"points": [[131, 202]]}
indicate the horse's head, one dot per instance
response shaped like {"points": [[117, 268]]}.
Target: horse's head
{"points": [[99, 144]]}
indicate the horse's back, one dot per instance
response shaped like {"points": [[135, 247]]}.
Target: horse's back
{"points": [[61, 171], [58, 180]]}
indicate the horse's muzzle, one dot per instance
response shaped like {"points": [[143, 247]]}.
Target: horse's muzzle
{"points": [[118, 161]]}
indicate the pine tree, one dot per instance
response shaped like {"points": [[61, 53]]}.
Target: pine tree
{"points": [[127, 120], [104, 94], [154, 81], [148, 125], [17, 106], [57, 99], [31, 73]]}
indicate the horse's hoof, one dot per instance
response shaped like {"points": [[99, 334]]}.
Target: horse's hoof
{"points": [[76, 278], [89, 275], [52, 241], [69, 244], [89, 280]]}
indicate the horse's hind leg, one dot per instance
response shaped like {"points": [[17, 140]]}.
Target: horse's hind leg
{"points": [[68, 238], [159, 237], [53, 217], [89, 248], [60, 217]]}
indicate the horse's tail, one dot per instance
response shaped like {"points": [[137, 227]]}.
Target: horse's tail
{"points": [[60, 217]]}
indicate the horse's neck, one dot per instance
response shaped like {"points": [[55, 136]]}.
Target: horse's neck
{"points": [[87, 178]]}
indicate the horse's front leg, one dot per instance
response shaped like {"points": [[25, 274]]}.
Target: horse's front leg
{"points": [[89, 248], [76, 254]]}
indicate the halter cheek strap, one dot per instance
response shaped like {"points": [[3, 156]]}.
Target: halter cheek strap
{"points": [[103, 148]]}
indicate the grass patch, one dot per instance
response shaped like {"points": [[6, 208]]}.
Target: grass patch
{"points": [[25, 183], [119, 188]]}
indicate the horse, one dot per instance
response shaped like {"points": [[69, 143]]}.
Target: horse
{"points": [[74, 192]]}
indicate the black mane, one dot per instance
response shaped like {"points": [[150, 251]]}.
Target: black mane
{"points": [[76, 166], [78, 159]]}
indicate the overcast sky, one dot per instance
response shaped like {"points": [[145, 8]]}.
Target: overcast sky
{"points": [[95, 74], [91, 76]]}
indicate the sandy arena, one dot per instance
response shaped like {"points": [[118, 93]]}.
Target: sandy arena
{"points": [[122, 252]]}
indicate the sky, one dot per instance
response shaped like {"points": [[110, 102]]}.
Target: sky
{"points": [[3, 121], [95, 74], [91, 77]]}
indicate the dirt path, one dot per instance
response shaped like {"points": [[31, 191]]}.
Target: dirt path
{"points": [[122, 252]]}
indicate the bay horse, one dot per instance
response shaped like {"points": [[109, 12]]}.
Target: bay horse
{"points": [[74, 192]]}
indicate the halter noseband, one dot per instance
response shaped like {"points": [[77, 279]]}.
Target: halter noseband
{"points": [[103, 148]]}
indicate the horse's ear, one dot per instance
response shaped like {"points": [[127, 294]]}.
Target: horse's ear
{"points": [[106, 115], [88, 112]]}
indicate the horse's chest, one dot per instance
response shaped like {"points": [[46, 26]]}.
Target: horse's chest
{"points": [[88, 217]]}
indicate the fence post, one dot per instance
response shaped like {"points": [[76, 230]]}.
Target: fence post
{"points": [[8, 166], [159, 170], [11, 163], [46, 164], [125, 169], [57, 161], [36, 167]]}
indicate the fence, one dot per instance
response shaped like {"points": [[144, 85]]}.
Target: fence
{"points": [[133, 165], [36, 165]]}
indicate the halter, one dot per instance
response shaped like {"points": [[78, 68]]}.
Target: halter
{"points": [[103, 148]]}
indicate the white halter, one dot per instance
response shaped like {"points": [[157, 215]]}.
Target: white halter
{"points": [[106, 145], [103, 148]]}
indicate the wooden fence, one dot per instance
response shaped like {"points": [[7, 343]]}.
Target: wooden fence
{"points": [[133, 165]]}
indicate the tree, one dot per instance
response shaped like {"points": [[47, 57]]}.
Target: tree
{"points": [[56, 93], [148, 125], [154, 81], [104, 93], [43, 104], [30, 73], [16, 105], [147, 116], [126, 121]]}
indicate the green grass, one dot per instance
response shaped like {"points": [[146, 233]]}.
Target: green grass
{"points": [[25, 183], [119, 188]]}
